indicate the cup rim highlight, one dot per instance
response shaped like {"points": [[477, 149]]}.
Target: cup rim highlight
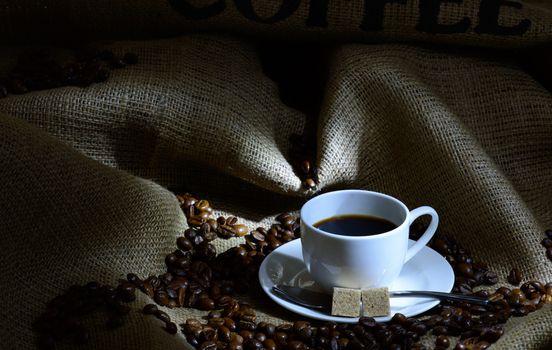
{"points": [[355, 238]]}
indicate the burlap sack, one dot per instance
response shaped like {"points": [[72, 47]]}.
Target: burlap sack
{"points": [[189, 104], [466, 133], [497, 23]]}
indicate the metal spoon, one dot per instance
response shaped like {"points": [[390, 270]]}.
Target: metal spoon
{"points": [[322, 301]]}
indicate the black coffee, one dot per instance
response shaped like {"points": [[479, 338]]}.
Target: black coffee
{"points": [[355, 225]]}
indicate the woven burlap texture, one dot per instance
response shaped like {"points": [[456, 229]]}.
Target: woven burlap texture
{"points": [[465, 133], [190, 103], [366, 21]]}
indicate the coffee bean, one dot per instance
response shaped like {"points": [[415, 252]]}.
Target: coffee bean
{"points": [[367, 322], [465, 269], [492, 334], [252, 344], [126, 291], [134, 279], [418, 327], [305, 167], [246, 334], [161, 297], [398, 318], [299, 325], [208, 333], [247, 325], [260, 336], [240, 230], [234, 346], [162, 316], [184, 244], [269, 344], [171, 328], [182, 263], [506, 292], [298, 345], [170, 259], [208, 345], [442, 341], [309, 183], [149, 309], [532, 287], [440, 330], [463, 288], [514, 277], [490, 278], [280, 338]]}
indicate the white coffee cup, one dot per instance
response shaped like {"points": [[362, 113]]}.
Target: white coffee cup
{"points": [[335, 260]]}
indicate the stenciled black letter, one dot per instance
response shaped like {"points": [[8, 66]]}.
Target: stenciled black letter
{"points": [[429, 19], [489, 11], [374, 12]]}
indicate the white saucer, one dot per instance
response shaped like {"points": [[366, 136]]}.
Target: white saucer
{"points": [[427, 270]]}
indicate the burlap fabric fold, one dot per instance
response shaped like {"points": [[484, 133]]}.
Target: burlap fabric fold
{"points": [[496, 23], [467, 133], [189, 104]]}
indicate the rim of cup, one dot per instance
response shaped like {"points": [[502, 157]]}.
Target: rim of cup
{"points": [[364, 192]]}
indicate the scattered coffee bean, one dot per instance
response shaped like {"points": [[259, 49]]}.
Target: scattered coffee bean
{"points": [[442, 342], [171, 327], [309, 183], [149, 309], [515, 277], [162, 316], [126, 291]]}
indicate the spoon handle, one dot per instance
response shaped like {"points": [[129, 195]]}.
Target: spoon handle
{"points": [[441, 296]]}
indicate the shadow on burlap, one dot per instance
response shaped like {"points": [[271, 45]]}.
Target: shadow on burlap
{"points": [[468, 134]]}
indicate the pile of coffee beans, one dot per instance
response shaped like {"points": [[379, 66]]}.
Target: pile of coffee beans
{"points": [[468, 272], [197, 277], [42, 69], [199, 216]]}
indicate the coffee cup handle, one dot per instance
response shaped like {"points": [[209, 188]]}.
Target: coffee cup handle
{"points": [[430, 231]]}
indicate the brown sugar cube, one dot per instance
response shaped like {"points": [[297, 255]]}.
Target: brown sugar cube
{"points": [[375, 302], [346, 302]]}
